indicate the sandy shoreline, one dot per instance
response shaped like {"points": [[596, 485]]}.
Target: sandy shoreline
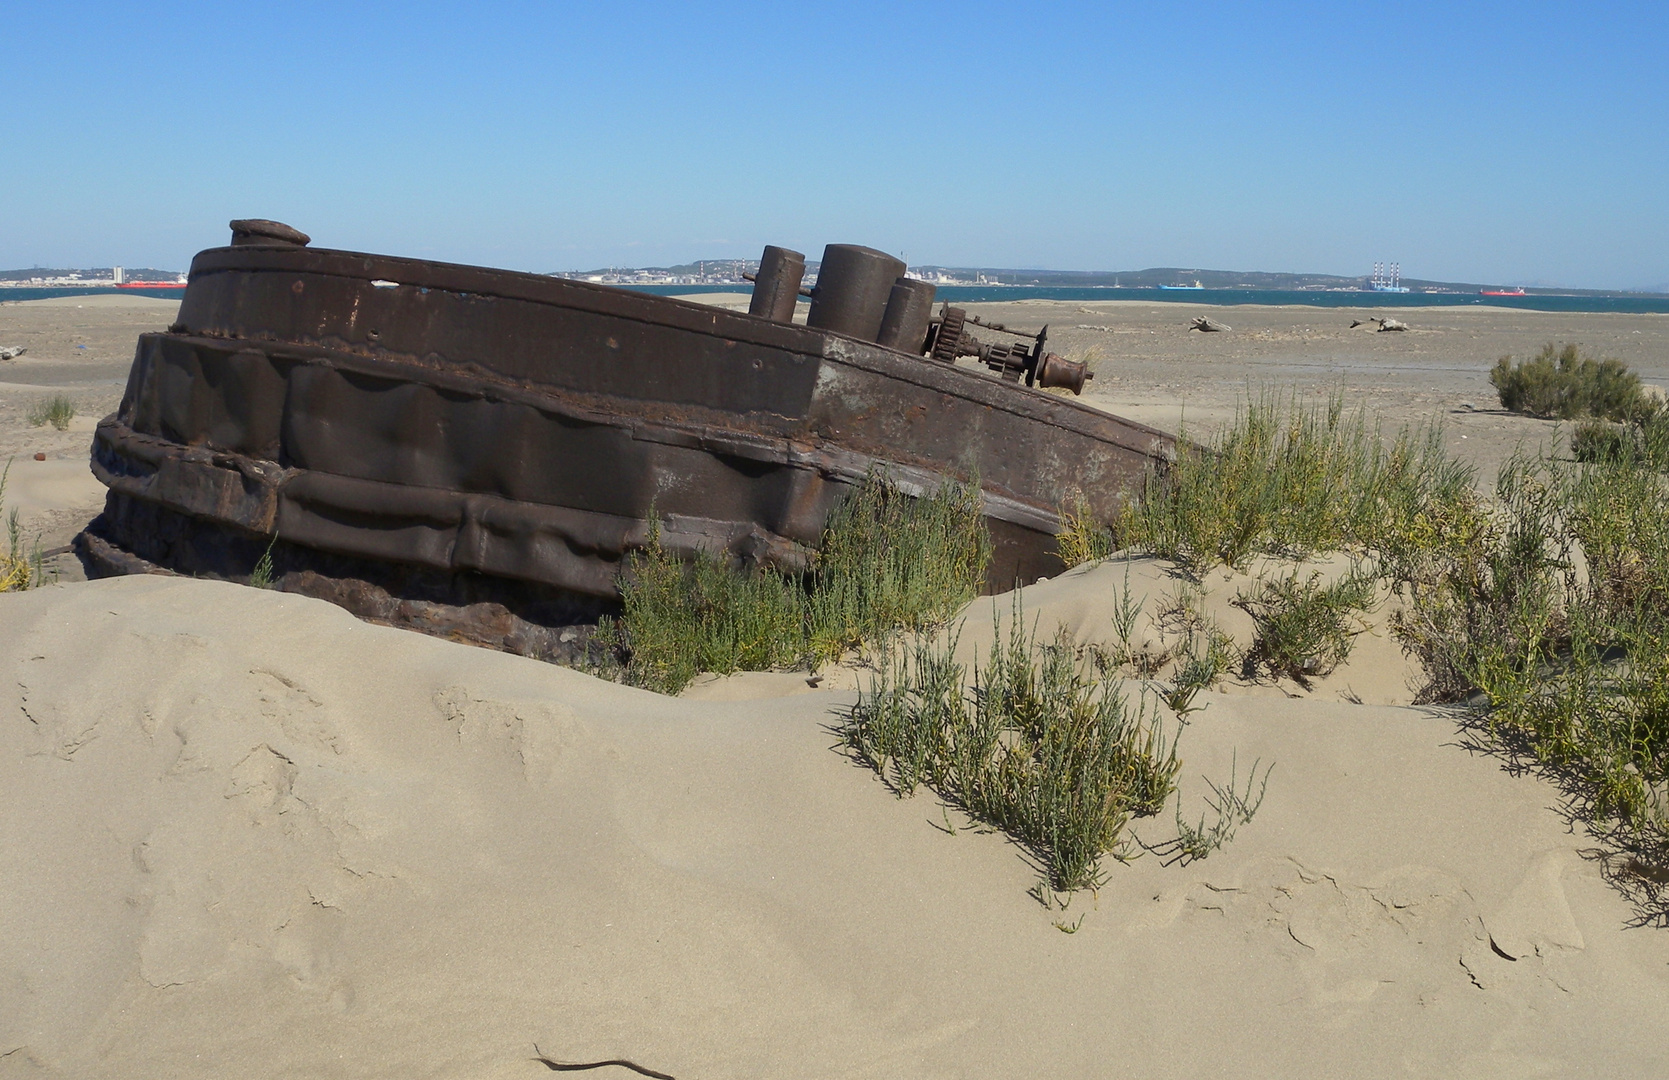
{"points": [[243, 831], [1150, 367]]}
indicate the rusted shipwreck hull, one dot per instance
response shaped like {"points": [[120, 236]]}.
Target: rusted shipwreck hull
{"points": [[473, 451]]}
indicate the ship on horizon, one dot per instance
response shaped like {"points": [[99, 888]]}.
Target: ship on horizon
{"points": [[1381, 281], [1517, 291]]}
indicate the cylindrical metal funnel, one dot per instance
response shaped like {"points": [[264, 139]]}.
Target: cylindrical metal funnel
{"points": [[777, 288], [853, 286]]}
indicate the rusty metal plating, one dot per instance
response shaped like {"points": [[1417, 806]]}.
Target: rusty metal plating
{"points": [[455, 435]]}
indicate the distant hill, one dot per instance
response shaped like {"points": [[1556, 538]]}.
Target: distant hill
{"points": [[1221, 279], [1154, 276], [132, 273], [731, 270]]}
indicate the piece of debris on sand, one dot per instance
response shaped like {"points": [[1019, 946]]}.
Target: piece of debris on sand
{"points": [[1209, 326], [1384, 324], [12, 352]]}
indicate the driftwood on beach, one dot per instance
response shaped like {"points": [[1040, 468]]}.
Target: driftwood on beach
{"points": [[1209, 326]]}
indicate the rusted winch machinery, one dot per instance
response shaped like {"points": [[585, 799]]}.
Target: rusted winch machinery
{"points": [[863, 293]]}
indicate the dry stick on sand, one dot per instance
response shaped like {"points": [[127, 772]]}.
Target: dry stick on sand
{"points": [[562, 1066], [1209, 326]]}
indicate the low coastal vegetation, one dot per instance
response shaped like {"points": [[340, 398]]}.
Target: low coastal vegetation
{"points": [[1560, 383], [1540, 609], [19, 568], [1042, 742], [1032, 744], [887, 563], [1543, 608], [1305, 628], [1231, 809], [1292, 480], [1644, 440], [58, 412], [1554, 625], [1619, 418]]}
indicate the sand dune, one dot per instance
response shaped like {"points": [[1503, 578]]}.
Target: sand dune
{"points": [[246, 834]]}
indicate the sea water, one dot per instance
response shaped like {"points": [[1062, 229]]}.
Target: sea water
{"points": [[1634, 303], [11, 295]]}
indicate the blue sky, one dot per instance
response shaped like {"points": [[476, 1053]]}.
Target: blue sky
{"points": [[1486, 142]]}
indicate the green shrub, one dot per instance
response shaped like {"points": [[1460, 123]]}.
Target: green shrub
{"points": [[260, 575], [1644, 440], [1563, 384], [886, 562], [1232, 808], [1556, 625], [1305, 628], [1600, 440], [19, 570], [1082, 539], [679, 619], [1056, 759], [1292, 479], [1206, 656], [58, 412]]}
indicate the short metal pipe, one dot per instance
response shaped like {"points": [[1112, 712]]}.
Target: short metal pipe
{"points": [[777, 287], [909, 311], [853, 286]]}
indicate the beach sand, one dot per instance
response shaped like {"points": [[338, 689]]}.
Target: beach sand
{"points": [[246, 834], [81, 348]]}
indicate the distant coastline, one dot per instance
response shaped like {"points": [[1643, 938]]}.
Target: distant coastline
{"points": [[1619, 303], [1630, 303]]}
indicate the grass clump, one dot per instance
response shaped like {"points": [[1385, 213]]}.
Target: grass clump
{"points": [[1563, 384], [1035, 746], [1231, 807], [1290, 479], [1082, 538], [680, 619], [261, 574], [1305, 629], [1204, 655], [1644, 440], [886, 562], [19, 569], [58, 412], [1204, 658]]}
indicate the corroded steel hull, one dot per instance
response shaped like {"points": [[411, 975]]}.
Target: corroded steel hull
{"points": [[468, 424]]}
